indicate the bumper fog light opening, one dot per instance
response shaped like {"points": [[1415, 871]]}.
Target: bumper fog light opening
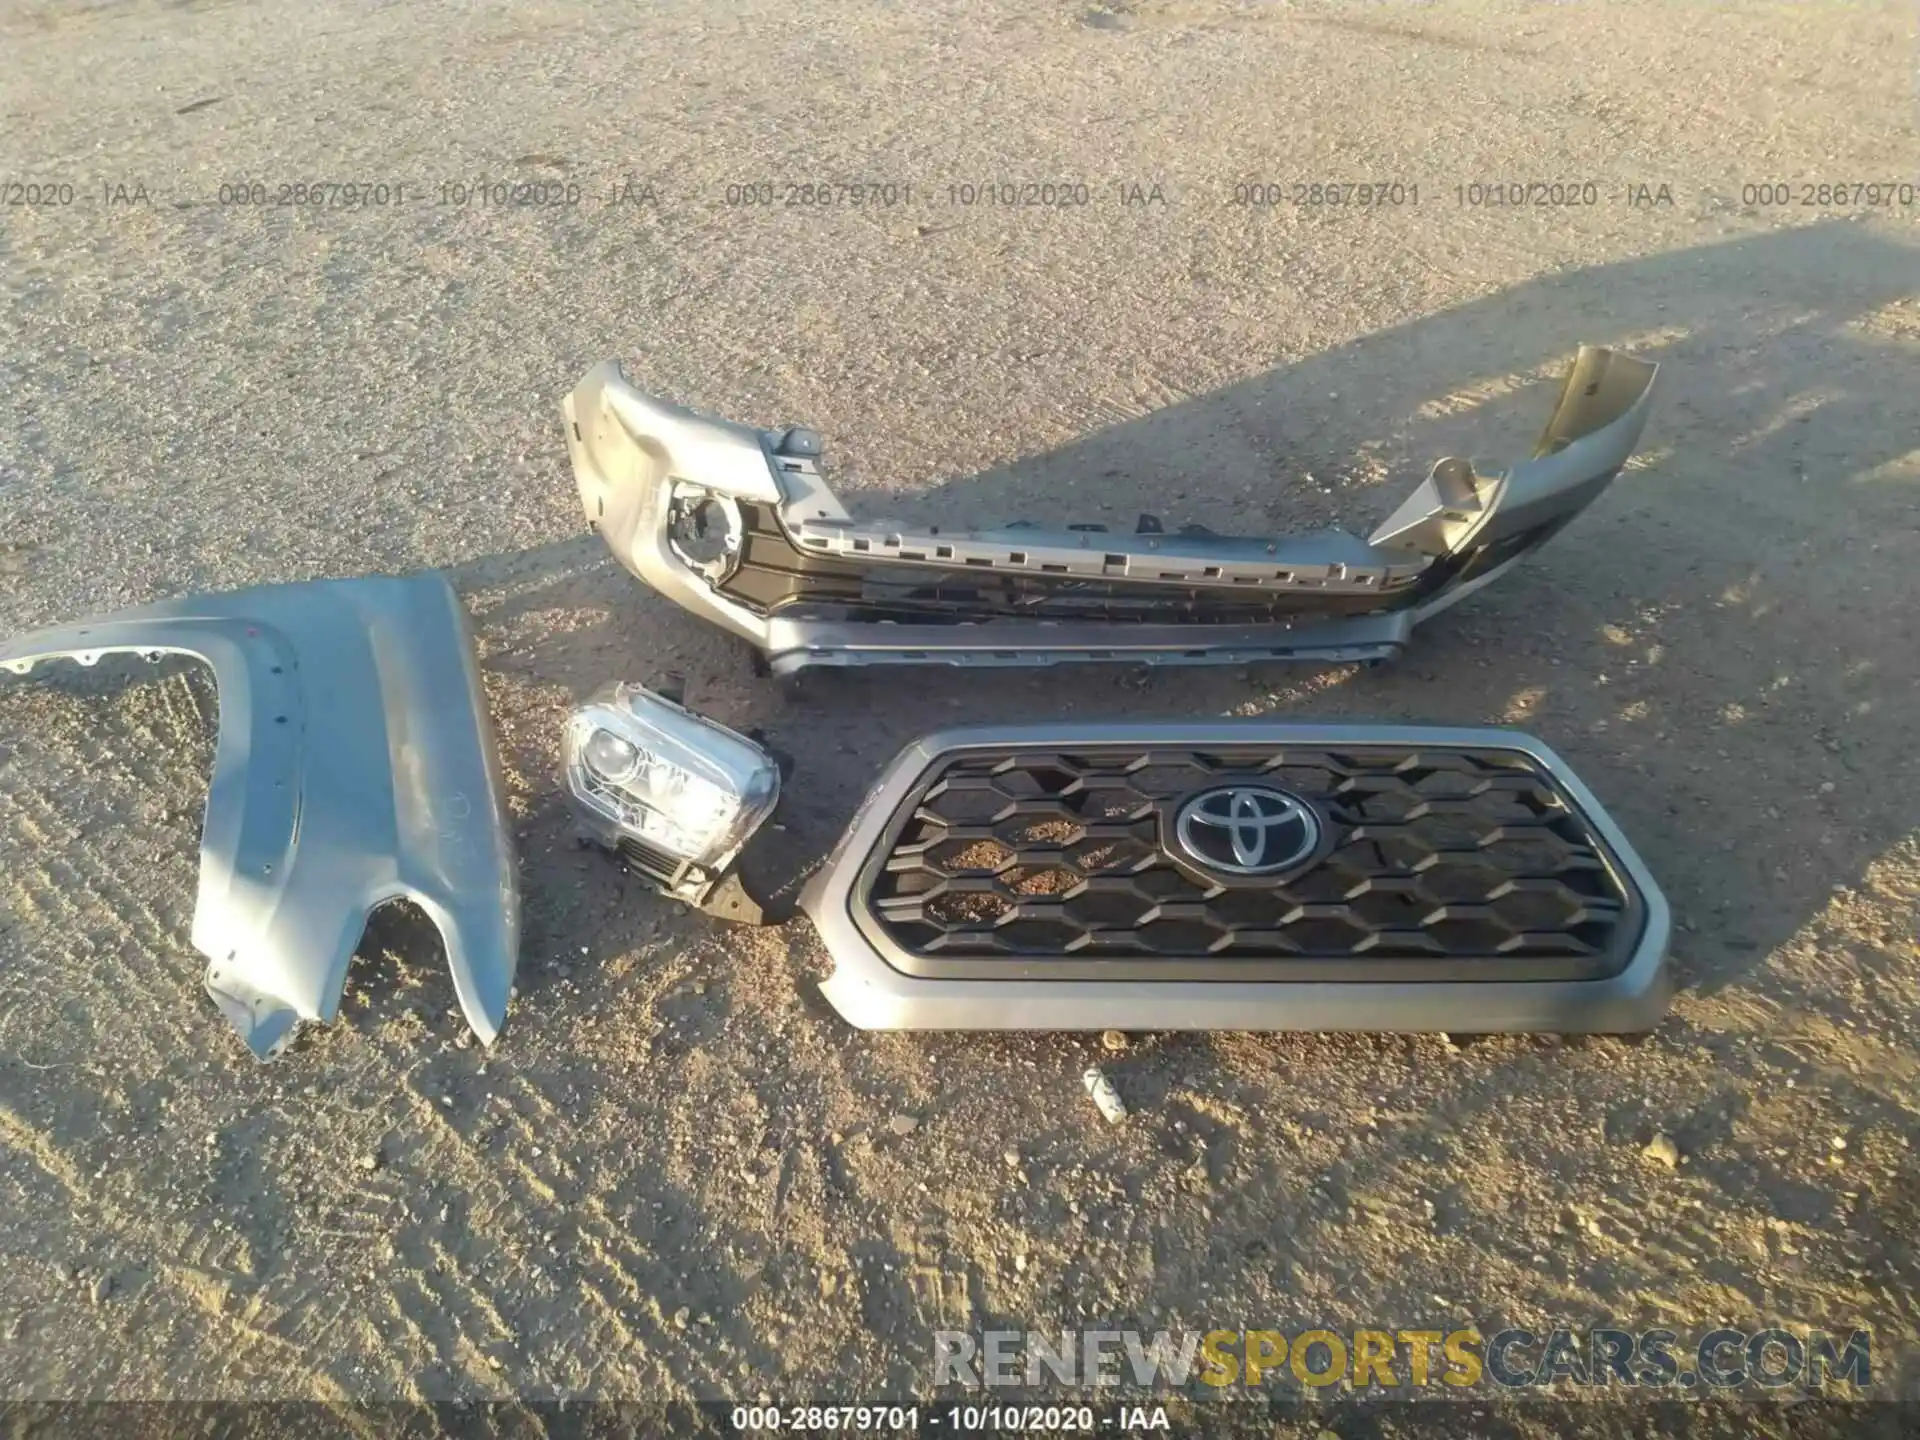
{"points": [[704, 530]]}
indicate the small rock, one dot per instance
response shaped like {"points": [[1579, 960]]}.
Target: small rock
{"points": [[903, 1124], [1114, 1039], [1839, 1142], [1662, 1151], [1020, 1263], [1012, 1157], [370, 1162], [680, 1318], [101, 1288], [1104, 1095]]}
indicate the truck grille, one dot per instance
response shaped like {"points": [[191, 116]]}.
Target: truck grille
{"points": [[1435, 863]]}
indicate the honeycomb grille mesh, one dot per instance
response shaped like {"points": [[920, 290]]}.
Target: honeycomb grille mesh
{"points": [[1440, 854]]}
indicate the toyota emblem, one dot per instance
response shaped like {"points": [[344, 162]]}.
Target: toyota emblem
{"points": [[1246, 830]]}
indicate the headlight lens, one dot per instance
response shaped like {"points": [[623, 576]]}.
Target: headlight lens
{"points": [[652, 771], [613, 758]]}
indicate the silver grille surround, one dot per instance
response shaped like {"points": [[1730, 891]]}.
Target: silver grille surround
{"points": [[872, 987]]}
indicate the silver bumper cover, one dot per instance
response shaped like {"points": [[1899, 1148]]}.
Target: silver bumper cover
{"points": [[807, 584], [872, 984], [354, 765]]}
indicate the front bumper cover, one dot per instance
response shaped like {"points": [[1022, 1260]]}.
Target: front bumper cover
{"points": [[783, 565], [354, 765]]}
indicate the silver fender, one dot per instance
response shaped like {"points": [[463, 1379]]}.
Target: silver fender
{"points": [[354, 765]]}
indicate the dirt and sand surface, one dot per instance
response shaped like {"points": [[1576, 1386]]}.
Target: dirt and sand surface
{"points": [[679, 1174]]}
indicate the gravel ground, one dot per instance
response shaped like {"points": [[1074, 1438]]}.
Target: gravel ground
{"points": [[679, 1174]]}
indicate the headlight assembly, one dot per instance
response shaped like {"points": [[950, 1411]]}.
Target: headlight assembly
{"points": [[676, 794]]}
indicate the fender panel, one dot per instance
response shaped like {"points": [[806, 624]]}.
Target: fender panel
{"points": [[354, 765]]}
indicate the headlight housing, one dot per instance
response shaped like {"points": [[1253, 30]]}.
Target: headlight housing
{"points": [[674, 792]]}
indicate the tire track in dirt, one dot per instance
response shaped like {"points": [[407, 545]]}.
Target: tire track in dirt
{"points": [[626, 1294], [204, 1287], [98, 789], [143, 965], [500, 1158]]}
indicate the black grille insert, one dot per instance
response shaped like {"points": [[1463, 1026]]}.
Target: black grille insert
{"points": [[775, 577], [1440, 863]]}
